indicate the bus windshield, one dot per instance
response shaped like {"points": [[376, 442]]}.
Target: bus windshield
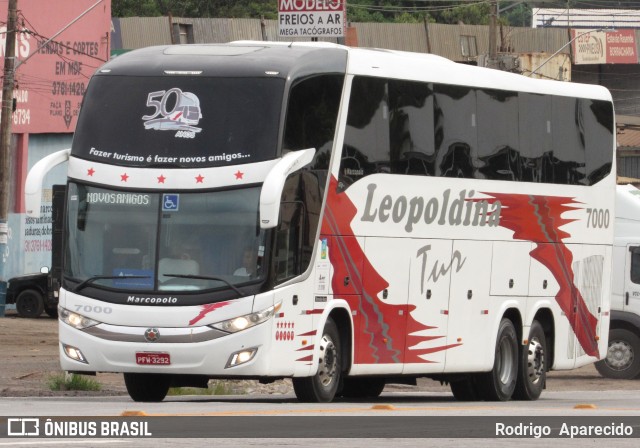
{"points": [[162, 241], [179, 121]]}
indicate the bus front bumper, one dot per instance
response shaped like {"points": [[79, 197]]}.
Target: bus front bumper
{"points": [[198, 350]]}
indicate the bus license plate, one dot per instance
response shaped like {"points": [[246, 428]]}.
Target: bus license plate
{"points": [[153, 359]]}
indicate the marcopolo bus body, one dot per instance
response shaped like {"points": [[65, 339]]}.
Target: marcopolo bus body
{"points": [[344, 217]]}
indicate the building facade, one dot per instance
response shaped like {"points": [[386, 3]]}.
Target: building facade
{"points": [[59, 45]]}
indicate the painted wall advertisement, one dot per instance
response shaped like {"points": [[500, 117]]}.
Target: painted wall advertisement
{"points": [[59, 45], [604, 47], [311, 18], [57, 50]]}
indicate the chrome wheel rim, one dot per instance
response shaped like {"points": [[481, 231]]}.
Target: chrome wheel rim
{"points": [[535, 361], [328, 361], [619, 355]]}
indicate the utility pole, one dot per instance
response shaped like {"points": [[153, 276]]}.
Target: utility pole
{"points": [[5, 145], [493, 31]]}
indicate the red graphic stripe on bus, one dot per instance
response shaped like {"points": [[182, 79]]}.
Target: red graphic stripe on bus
{"points": [[206, 309], [538, 219], [384, 330], [309, 333]]}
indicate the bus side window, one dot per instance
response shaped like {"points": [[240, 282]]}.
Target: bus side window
{"points": [[635, 265], [455, 130], [568, 139], [366, 138], [534, 133], [457, 162], [411, 128], [498, 145], [288, 241], [598, 117]]}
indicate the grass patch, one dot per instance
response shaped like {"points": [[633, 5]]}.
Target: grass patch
{"points": [[215, 388], [63, 382]]}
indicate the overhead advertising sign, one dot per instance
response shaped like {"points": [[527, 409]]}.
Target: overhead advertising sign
{"points": [[59, 45], [604, 47], [311, 18]]}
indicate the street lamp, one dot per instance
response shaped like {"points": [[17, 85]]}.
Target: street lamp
{"points": [[564, 46]]}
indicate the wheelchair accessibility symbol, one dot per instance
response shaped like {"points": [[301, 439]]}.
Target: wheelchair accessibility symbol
{"points": [[170, 202]]}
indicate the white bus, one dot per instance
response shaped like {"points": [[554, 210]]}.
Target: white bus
{"points": [[343, 217]]}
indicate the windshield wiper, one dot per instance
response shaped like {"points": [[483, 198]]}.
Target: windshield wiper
{"points": [[206, 277], [90, 280]]}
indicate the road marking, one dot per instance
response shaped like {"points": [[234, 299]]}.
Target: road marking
{"points": [[314, 411], [585, 406], [85, 442]]}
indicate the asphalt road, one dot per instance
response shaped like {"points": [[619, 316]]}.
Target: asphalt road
{"points": [[396, 418]]}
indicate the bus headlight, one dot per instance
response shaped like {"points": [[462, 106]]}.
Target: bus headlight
{"points": [[247, 321], [76, 320]]}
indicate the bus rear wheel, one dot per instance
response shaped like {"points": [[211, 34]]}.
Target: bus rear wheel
{"points": [[150, 387], [322, 387], [500, 382], [623, 356], [532, 372]]}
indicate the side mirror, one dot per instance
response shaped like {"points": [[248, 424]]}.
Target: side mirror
{"points": [[33, 184], [44, 270], [274, 184]]}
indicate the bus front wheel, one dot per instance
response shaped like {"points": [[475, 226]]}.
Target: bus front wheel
{"points": [[322, 387], [150, 387]]}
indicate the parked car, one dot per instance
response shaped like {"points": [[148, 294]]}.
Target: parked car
{"points": [[38, 292], [33, 294]]}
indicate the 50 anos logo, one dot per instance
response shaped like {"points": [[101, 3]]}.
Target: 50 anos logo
{"points": [[174, 110]]}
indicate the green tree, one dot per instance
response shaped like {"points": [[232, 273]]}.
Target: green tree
{"points": [[475, 14], [195, 8], [398, 11]]}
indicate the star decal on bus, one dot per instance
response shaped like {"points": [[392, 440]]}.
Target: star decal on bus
{"points": [[161, 179], [90, 172], [124, 177], [239, 175], [199, 178]]}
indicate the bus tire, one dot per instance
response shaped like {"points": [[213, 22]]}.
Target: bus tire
{"points": [[499, 383], [150, 387], [322, 387], [465, 389], [30, 303], [362, 387], [623, 356], [532, 369]]}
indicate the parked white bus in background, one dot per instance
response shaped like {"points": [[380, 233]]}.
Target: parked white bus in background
{"points": [[343, 217], [623, 355]]}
